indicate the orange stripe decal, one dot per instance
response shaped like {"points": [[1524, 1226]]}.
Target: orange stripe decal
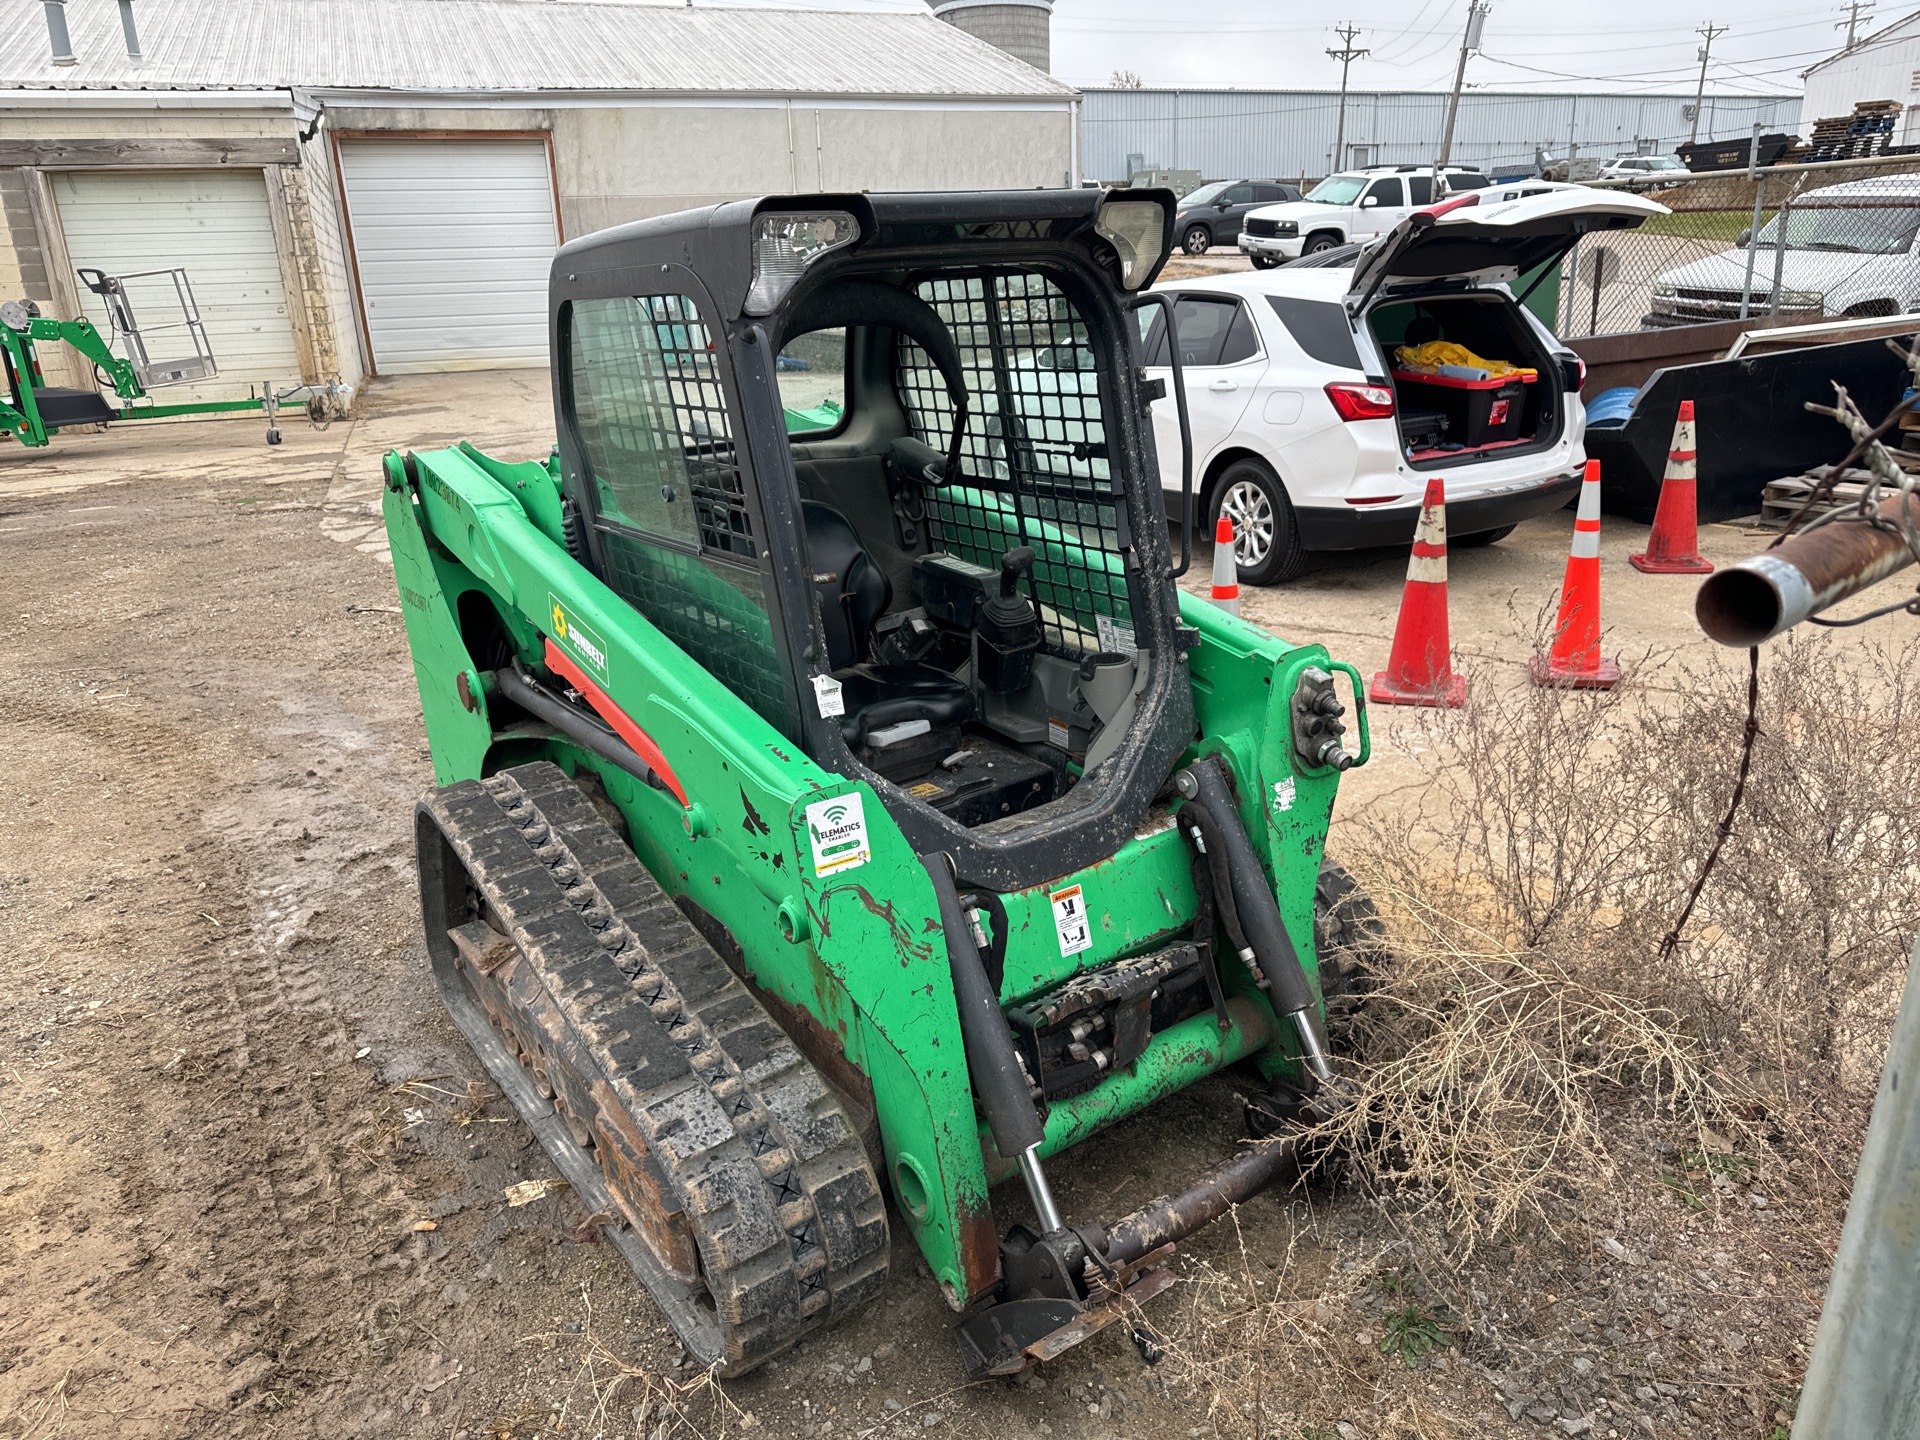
{"points": [[621, 722]]}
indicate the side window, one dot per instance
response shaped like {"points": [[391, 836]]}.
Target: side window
{"points": [[651, 419], [1241, 342], [1386, 192], [1468, 180], [1319, 327], [646, 407], [1419, 189], [1239, 194], [1153, 335], [1201, 327], [1269, 194], [812, 371]]}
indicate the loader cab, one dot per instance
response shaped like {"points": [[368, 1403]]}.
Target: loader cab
{"points": [[882, 465]]}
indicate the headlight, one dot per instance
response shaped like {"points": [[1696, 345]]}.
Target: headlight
{"points": [[785, 244], [1137, 230], [1666, 292], [1286, 227]]}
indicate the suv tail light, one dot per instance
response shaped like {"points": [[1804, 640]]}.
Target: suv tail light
{"points": [[1573, 373], [1361, 400]]}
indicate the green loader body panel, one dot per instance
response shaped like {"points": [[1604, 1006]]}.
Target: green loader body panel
{"points": [[842, 938]]}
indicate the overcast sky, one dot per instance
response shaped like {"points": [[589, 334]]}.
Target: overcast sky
{"points": [[1640, 45]]}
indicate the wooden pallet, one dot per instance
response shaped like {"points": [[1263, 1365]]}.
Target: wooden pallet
{"points": [[1781, 499], [1866, 132]]}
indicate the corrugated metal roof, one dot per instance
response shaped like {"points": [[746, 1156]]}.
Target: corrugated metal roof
{"points": [[511, 45]]}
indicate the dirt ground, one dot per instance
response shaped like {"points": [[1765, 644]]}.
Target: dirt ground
{"points": [[248, 1183]]}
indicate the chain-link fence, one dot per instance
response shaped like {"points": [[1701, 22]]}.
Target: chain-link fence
{"points": [[1801, 242]]}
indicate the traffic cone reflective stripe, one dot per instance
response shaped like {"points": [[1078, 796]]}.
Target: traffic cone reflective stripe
{"points": [[1226, 570], [1575, 658], [1673, 548], [1420, 665]]}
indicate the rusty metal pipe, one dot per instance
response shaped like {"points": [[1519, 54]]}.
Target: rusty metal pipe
{"points": [[1174, 1217], [1803, 575]]}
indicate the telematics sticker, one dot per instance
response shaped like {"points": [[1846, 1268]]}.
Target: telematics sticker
{"points": [[580, 642], [1283, 791], [838, 829], [1070, 919]]}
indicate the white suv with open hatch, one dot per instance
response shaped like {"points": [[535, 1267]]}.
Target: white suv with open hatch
{"points": [[1309, 432]]}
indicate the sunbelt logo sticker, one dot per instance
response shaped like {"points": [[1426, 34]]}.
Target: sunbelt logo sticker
{"points": [[583, 644], [837, 829]]}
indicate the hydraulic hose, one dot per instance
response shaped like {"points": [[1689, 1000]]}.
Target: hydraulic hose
{"points": [[1213, 846], [1259, 913], [586, 731], [992, 1062]]}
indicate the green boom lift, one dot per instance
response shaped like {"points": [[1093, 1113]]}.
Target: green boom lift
{"points": [[839, 802], [32, 411]]}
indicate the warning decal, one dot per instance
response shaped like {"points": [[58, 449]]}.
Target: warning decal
{"points": [[838, 830], [1070, 919]]}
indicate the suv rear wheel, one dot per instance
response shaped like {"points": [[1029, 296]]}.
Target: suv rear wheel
{"points": [[1266, 544], [1197, 241], [1483, 537], [1325, 240]]}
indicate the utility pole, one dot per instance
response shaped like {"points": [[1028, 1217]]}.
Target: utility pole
{"points": [[1700, 91], [1346, 55], [1476, 24], [1857, 11]]}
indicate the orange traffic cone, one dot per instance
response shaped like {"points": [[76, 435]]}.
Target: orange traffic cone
{"points": [[1420, 667], [1575, 657], [1226, 570], [1674, 546]]}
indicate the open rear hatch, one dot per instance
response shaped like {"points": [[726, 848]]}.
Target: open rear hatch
{"points": [[1463, 241], [1471, 378]]}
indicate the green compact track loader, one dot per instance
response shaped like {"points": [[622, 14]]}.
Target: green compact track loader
{"points": [[839, 802]]}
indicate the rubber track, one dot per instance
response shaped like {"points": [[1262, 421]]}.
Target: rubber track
{"points": [[784, 1206]]}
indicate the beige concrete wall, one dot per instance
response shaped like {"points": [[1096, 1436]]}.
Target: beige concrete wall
{"points": [[627, 163], [418, 118]]}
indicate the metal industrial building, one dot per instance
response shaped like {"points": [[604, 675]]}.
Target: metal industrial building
{"points": [[1289, 133], [377, 186]]}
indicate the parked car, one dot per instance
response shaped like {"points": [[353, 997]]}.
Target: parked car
{"points": [[1851, 250], [1353, 205], [1645, 172], [1212, 214], [1310, 436]]}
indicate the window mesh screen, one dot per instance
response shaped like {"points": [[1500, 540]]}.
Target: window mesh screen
{"points": [[1034, 455], [651, 418], [652, 421], [715, 611]]}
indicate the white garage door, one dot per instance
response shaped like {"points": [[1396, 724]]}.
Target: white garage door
{"points": [[214, 224], [452, 239]]}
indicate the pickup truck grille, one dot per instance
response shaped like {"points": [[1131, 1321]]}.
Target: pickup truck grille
{"points": [[1699, 304], [1254, 225]]}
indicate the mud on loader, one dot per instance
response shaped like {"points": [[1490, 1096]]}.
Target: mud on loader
{"points": [[840, 809]]}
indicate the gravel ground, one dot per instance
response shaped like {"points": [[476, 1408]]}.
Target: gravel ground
{"points": [[249, 1181]]}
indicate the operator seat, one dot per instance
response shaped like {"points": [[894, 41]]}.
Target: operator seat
{"points": [[854, 593]]}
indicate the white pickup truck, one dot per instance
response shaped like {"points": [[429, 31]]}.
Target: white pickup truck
{"points": [[1351, 207]]}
